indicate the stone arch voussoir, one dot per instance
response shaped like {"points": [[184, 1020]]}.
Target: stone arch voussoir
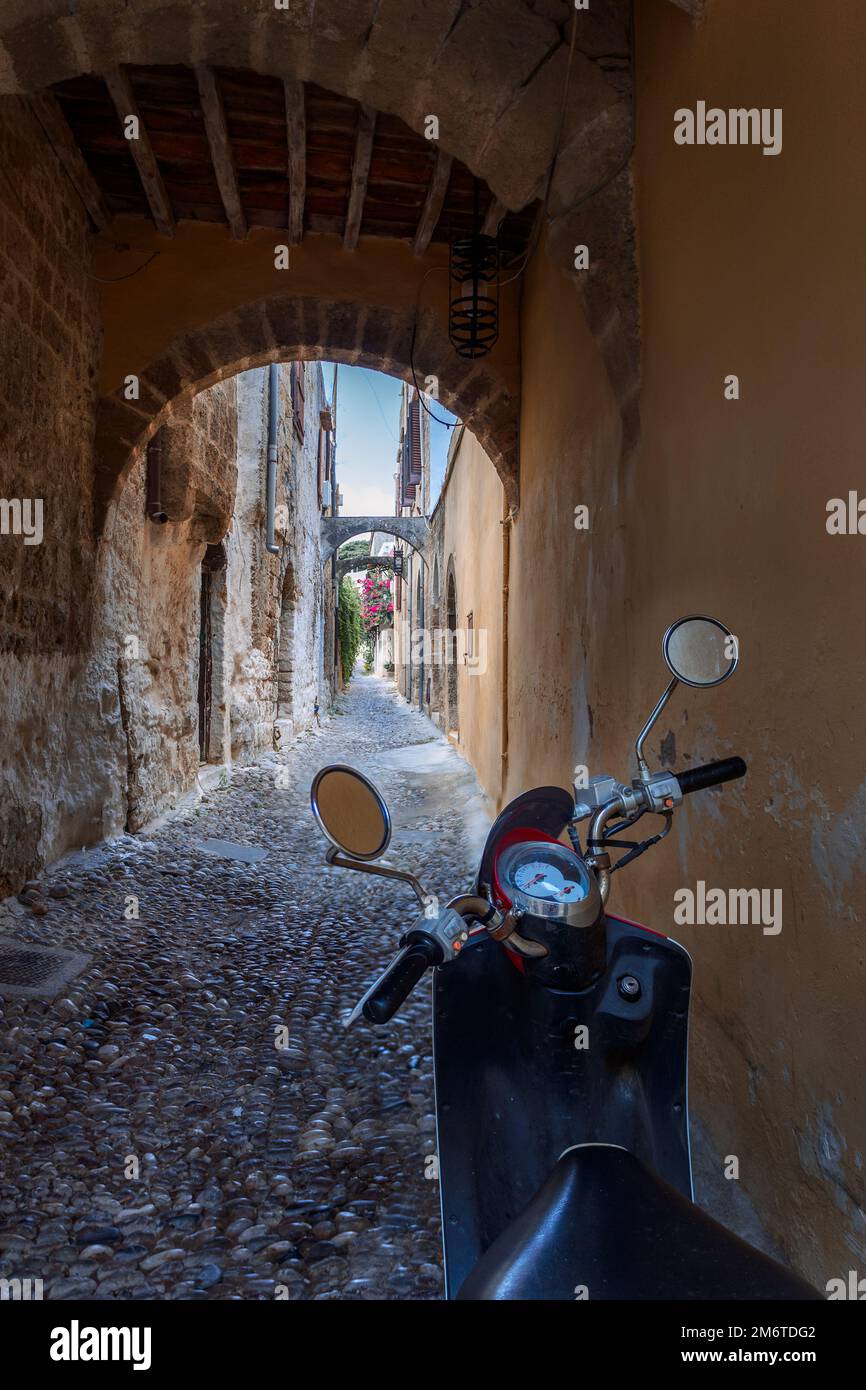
{"points": [[286, 328]]}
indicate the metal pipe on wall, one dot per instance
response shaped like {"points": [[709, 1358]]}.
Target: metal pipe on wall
{"points": [[153, 504]]}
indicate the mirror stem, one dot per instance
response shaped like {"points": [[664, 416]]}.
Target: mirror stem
{"points": [[643, 769], [342, 861]]}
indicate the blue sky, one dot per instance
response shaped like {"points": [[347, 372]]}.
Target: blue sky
{"points": [[368, 429]]}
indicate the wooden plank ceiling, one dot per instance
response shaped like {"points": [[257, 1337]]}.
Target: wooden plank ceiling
{"points": [[218, 145]]}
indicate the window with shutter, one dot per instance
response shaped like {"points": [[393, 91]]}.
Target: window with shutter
{"points": [[413, 436], [322, 460], [296, 379]]}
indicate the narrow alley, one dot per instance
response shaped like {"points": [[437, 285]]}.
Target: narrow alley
{"points": [[461, 392], [263, 1171]]}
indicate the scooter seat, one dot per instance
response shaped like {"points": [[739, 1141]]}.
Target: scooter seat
{"points": [[604, 1226]]}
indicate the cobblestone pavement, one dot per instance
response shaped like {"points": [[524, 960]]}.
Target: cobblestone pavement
{"points": [[154, 1142]]}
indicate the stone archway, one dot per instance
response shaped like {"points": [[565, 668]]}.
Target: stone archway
{"points": [[288, 328], [487, 70], [493, 74], [365, 562], [336, 530]]}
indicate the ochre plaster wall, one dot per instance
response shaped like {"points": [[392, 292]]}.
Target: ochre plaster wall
{"points": [[472, 504], [755, 266]]}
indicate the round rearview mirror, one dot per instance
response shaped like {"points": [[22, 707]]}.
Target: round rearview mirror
{"points": [[700, 651], [350, 811]]}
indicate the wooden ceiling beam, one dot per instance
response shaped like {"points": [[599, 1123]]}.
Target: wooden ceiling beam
{"points": [[296, 139], [221, 149], [434, 202], [120, 91], [365, 131], [47, 111]]}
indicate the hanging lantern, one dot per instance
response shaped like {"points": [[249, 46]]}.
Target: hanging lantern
{"points": [[398, 562], [473, 318]]}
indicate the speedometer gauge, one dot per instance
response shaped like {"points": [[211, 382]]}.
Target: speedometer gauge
{"points": [[549, 880]]}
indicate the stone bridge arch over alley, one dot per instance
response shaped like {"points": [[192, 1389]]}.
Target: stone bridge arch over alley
{"points": [[414, 530]]}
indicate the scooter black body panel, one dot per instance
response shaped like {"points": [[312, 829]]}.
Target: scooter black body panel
{"points": [[513, 1091]]}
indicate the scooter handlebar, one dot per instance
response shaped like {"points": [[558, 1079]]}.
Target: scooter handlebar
{"points": [[401, 977], [710, 775]]}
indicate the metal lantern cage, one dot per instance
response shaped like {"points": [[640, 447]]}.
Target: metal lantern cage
{"points": [[473, 317]]}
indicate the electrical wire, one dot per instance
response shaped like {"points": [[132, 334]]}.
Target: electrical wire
{"points": [[623, 163], [543, 214], [391, 433], [117, 280], [47, 134], [449, 424]]}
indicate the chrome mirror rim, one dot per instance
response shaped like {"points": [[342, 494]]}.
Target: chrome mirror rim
{"points": [[386, 815], [702, 618]]}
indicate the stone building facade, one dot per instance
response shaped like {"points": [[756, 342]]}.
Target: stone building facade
{"points": [[49, 337], [181, 642], [410, 590], [278, 609]]}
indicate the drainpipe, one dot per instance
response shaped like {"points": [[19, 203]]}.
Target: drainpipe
{"points": [[507, 523], [409, 616], [422, 616], [153, 503], [271, 482]]}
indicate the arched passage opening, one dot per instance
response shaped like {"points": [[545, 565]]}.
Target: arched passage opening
{"points": [[287, 328], [205, 161]]}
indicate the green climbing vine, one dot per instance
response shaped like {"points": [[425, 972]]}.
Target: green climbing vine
{"points": [[351, 629]]}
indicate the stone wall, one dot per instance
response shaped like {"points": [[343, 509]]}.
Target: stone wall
{"points": [[148, 606], [273, 661], [49, 352], [98, 644], [108, 732]]}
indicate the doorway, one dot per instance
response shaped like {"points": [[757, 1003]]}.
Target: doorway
{"points": [[205, 664], [453, 720], [211, 705]]}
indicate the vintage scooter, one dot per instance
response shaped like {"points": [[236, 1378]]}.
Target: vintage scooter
{"points": [[560, 1039]]}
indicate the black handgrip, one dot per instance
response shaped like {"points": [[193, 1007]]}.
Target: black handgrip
{"points": [[710, 775], [400, 978]]}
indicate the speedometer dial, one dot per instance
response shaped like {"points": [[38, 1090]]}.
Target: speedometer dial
{"points": [[547, 880], [542, 880]]}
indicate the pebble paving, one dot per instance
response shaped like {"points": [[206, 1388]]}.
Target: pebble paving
{"points": [[189, 1118]]}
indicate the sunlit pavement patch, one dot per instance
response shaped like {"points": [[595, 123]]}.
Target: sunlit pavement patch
{"points": [[227, 849]]}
